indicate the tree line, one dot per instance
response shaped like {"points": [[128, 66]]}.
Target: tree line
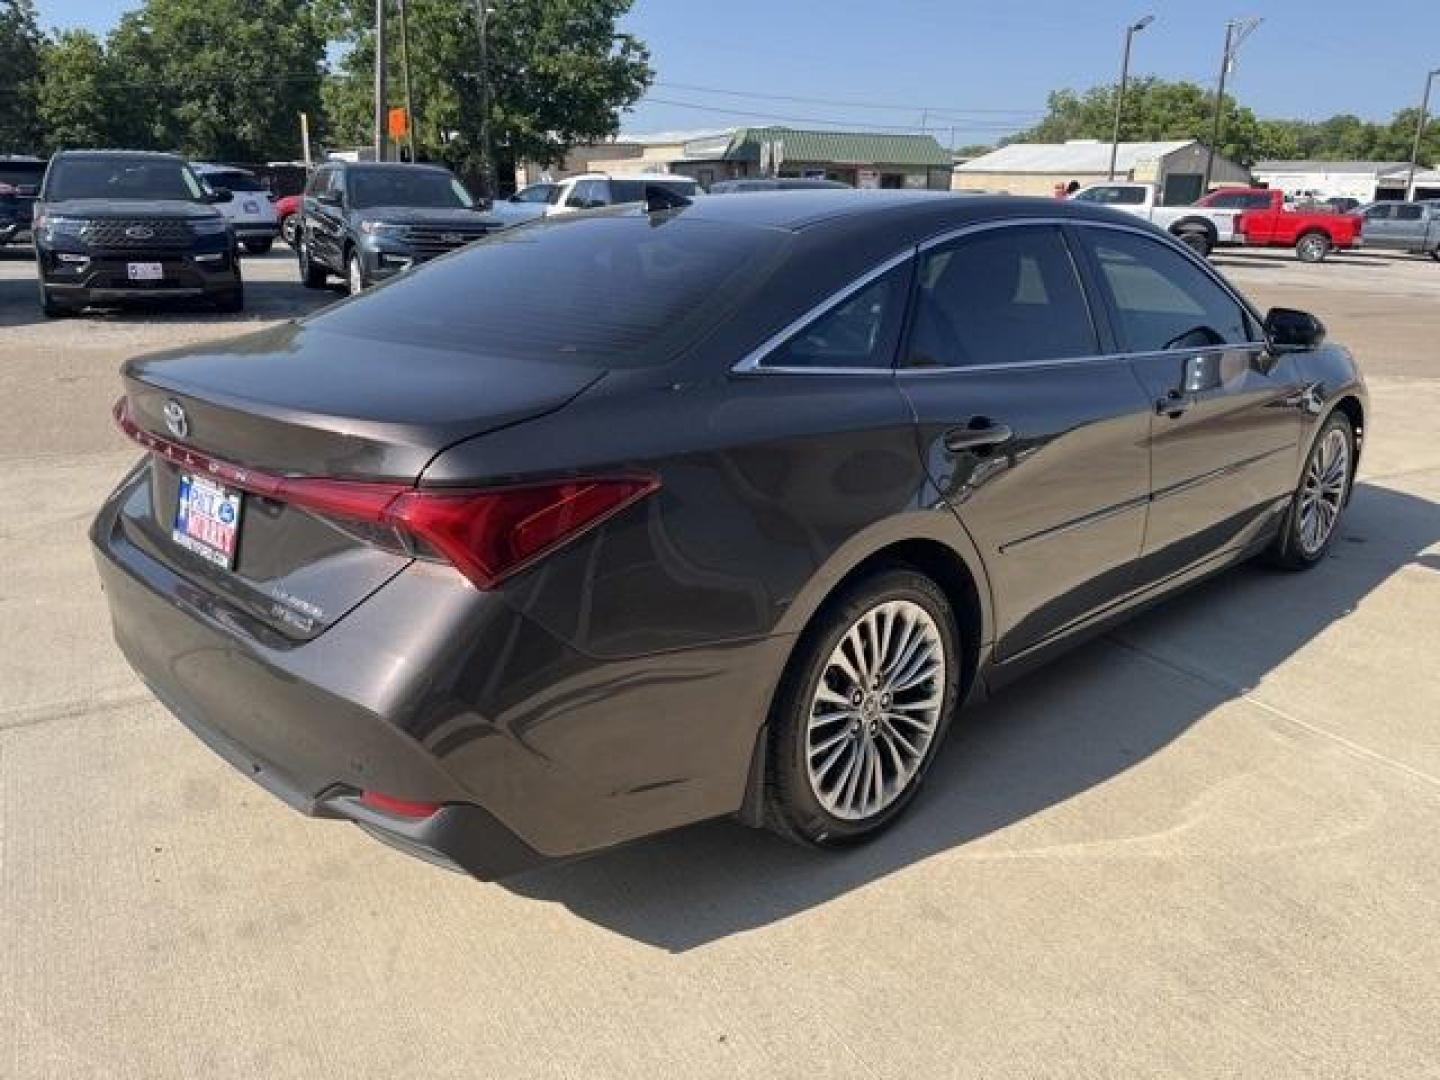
{"points": [[1157, 110], [226, 80]]}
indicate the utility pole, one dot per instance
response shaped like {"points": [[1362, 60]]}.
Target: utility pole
{"points": [[1419, 134], [305, 139], [405, 74], [1130, 32], [380, 89], [1236, 31], [482, 12]]}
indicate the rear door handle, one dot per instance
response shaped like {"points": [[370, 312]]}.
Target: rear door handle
{"points": [[980, 435]]}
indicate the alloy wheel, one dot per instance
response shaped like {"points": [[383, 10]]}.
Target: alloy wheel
{"points": [[875, 710], [1322, 495]]}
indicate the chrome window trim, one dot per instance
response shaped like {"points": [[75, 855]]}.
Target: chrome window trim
{"points": [[753, 361]]}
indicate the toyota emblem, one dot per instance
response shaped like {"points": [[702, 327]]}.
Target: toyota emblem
{"points": [[140, 232], [175, 419]]}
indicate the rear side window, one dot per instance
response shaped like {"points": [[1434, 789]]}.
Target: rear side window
{"points": [[1162, 299], [622, 290], [1004, 296], [1114, 195], [1409, 212], [857, 333]]}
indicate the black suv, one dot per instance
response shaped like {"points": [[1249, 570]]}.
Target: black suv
{"points": [[19, 180], [366, 221], [114, 225]]}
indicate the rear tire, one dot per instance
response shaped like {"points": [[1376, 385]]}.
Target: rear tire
{"points": [[1197, 240], [1313, 247], [1314, 516], [862, 710], [312, 274], [258, 247]]}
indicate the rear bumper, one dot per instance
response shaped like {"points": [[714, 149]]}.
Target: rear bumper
{"points": [[431, 691]]}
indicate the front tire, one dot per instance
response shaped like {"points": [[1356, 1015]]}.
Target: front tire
{"points": [[1314, 515], [52, 308], [1313, 247], [312, 274], [862, 710]]}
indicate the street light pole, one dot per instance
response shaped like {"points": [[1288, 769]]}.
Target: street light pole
{"points": [[1130, 32], [1419, 133], [380, 95]]}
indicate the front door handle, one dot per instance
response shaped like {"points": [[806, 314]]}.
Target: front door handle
{"points": [[980, 434], [1174, 404]]}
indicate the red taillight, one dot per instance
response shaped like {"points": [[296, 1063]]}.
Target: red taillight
{"points": [[399, 807], [488, 534]]}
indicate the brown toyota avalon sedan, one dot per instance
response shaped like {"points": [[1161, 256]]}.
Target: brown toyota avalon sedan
{"points": [[628, 519]]}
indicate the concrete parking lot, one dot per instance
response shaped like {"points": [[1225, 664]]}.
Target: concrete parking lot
{"points": [[1203, 845]]}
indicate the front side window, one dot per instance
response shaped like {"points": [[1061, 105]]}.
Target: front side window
{"points": [[1380, 213], [1162, 299], [1409, 212], [587, 194], [857, 333], [1004, 296]]}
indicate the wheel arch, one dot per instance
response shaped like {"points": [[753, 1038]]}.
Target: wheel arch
{"points": [[1354, 411], [959, 574]]}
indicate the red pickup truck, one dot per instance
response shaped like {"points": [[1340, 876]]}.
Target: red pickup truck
{"points": [[1313, 233]]}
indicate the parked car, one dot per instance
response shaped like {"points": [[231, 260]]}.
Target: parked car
{"points": [[19, 181], [367, 221], [1314, 233], [589, 191], [1412, 227], [287, 209], [251, 213], [643, 518], [119, 225], [778, 183], [1201, 227]]}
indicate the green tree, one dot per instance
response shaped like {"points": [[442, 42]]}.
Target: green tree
{"points": [[81, 100], [222, 79], [20, 47], [559, 74], [1155, 110]]}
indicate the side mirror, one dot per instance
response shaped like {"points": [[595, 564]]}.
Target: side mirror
{"points": [[220, 195], [1289, 330]]}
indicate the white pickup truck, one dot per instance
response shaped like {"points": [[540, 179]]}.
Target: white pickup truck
{"points": [[1202, 227]]}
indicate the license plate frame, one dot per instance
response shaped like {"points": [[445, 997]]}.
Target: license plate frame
{"points": [[145, 271], [207, 519]]}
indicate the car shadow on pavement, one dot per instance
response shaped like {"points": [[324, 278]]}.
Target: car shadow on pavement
{"points": [[266, 301], [1078, 723]]}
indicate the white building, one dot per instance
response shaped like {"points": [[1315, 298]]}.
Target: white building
{"points": [[1363, 180], [1177, 166]]}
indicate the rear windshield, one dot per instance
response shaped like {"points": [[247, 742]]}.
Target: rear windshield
{"points": [[21, 173], [406, 187], [120, 178], [633, 191], [234, 181], [618, 290]]}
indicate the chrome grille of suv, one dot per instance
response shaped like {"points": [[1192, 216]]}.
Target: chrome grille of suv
{"points": [[130, 234], [429, 241]]}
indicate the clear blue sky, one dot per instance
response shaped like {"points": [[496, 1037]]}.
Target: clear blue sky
{"points": [[983, 67]]}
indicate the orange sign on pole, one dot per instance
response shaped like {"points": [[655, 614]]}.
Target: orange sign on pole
{"points": [[398, 123]]}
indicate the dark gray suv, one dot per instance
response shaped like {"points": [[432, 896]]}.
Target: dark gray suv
{"points": [[366, 222]]}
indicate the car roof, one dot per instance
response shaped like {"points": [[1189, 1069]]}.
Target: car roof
{"points": [[158, 155], [631, 176], [902, 211], [387, 166]]}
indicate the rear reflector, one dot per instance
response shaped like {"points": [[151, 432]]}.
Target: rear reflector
{"points": [[400, 807], [487, 534]]}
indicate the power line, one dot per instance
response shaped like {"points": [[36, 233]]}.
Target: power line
{"points": [[964, 126], [934, 109]]}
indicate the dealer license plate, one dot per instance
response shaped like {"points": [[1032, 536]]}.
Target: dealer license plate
{"points": [[207, 520], [146, 271]]}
